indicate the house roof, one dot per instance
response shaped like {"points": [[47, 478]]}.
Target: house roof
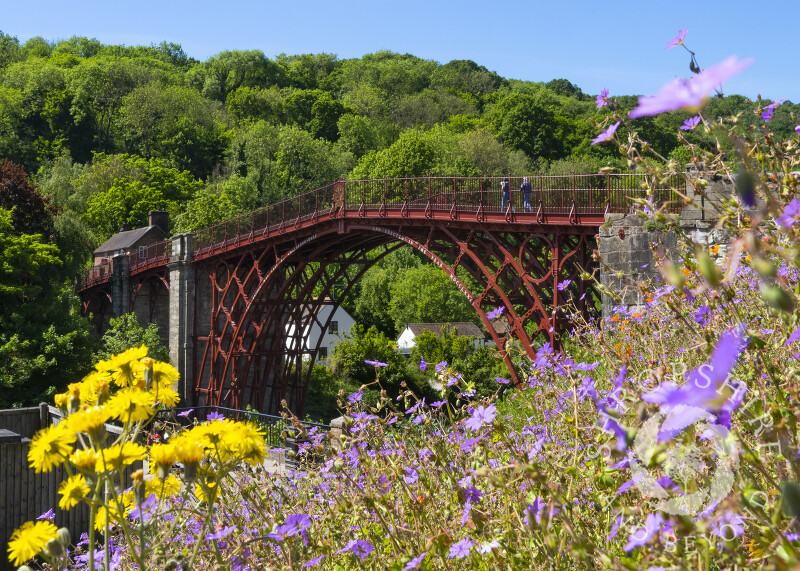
{"points": [[464, 328], [127, 239]]}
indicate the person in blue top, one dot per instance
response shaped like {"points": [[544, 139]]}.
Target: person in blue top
{"points": [[525, 187]]}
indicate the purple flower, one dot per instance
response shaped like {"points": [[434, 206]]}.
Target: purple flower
{"points": [[215, 416], [602, 99], [564, 285], [702, 315], [535, 509], [296, 523], [501, 380], [460, 550], [700, 395], [728, 526], [355, 397], [411, 476], [49, 515], [792, 338], [677, 40], [422, 364], [495, 313], [797, 129], [690, 124], [224, 532], [440, 366], [642, 535], [485, 548], [438, 403], [608, 134], [414, 408], [313, 562], [414, 563], [614, 528], [377, 363], [690, 92], [186, 413], [769, 110], [481, 416], [791, 214], [359, 548]]}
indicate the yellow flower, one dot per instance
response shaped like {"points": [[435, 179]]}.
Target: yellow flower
{"points": [[162, 455], [201, 495], [131, 405], [112, 515], [29, 539], [84, 460], [121, 366], [188, 451], [50, 447], [72, 491], [62, 399], [170, 486], [88, 419], [119, 455], [249, 442]]}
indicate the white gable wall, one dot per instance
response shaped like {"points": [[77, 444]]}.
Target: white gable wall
{"points": [[343, 323]]}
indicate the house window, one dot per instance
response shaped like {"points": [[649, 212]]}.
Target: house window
{"points": [[142, 252], [323, 352], [333, 328]]}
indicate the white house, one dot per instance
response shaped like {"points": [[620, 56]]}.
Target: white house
{"points": [[339, 324], [463, 328]]}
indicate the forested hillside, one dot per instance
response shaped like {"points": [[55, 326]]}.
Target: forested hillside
{"points": [[105, 133]]}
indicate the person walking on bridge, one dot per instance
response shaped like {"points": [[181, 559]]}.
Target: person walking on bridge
{"points": [[506, 188], [525, 187]]}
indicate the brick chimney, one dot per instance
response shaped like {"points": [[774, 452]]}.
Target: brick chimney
{"points": [[159, 218]]}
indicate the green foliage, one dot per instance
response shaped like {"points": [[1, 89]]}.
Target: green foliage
{"points": [[125, 332], [347, 361], [229, 70], [176, 124], [43, 342], [426, 294], [121, 189]]}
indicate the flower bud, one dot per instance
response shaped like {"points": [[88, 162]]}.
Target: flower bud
{"points": [[64, 537], [148, 372], [54, 548], [138, 486]]}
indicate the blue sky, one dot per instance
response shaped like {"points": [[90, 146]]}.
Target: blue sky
{"points": [[618, 44]]}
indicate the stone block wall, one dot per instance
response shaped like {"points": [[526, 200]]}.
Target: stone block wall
{"points": [[624, 244]]}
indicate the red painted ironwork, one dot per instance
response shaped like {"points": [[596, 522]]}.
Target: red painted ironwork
{"points": [[261, 278]]}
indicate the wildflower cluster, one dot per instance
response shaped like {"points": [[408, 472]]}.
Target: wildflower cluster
{"points": [[100, 442]]}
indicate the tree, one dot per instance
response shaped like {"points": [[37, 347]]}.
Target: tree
{"points": [[176, 124], [466, 76], [255, 103], [30, 210], [99, 86], [523, 123], [347, 362], [44, 344], [315, 111], [427, 295], [125, 332], [229, 70], [121, 189]]}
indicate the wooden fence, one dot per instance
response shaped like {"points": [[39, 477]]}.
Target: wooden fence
{"points": [[24, 494]]}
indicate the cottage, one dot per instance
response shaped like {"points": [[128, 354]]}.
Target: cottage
{"points": [[339, 325], [464, 328], [131, 241]]}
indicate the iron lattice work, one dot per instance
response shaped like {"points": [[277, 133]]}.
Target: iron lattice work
{"points": [[251, 351], [261, 278]]}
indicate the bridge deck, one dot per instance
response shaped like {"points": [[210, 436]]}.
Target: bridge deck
{"points": [[576, 200]]}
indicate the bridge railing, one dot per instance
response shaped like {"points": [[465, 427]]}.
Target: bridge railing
{"points": [[153, 255], [551, 195], [585, 194]]}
